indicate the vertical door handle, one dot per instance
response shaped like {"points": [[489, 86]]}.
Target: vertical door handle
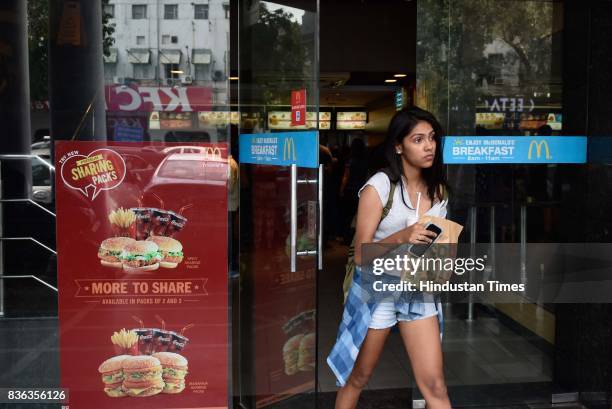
{"points": [[294, 228], [320, 230], [293, 237]]}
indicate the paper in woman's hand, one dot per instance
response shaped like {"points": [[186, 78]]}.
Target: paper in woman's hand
{"points": [[440, 253]]}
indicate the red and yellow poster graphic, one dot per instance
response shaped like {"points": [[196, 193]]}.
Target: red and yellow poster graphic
{"points": [[142, 268]]}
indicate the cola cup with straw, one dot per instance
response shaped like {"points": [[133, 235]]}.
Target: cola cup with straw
{"points": [[164, 341], [160, 219], [145, 340], [160, 337], [143, 222], [160, 340], [177, 223], [178, 342]]}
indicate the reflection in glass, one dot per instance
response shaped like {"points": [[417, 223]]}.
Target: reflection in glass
{"points": [[493, 67], [164, 69]]}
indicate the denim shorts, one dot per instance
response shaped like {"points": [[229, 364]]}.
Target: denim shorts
{"points": [[387, 313]]}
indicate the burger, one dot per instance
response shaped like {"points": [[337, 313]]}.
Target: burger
{"points": [[140, 256], [112, 375], [111, 249], [291, 354], [142, 376], [170, 249], [141, 389], [174, 369], [306, 359]]}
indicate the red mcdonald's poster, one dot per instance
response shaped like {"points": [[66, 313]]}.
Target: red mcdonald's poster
{"points": [[298, 107], [142, 267]]}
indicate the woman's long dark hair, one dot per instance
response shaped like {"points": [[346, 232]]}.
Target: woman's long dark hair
{"points": [[402, 124]]}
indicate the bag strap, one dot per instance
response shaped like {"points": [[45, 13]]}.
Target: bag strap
{"points": [[384, 214], [389, 204], [350, 265]]}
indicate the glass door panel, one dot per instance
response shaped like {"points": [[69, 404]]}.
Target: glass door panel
{"points": [[279, 207]]}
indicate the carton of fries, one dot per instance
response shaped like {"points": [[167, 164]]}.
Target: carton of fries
{"points": [[123, 222], [125, 342]]}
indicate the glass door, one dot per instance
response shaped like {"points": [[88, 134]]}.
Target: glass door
{"points": [[492, 69], [279, 203]]}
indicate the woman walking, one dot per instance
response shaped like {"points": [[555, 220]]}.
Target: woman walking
{"points": [[390, 205]]}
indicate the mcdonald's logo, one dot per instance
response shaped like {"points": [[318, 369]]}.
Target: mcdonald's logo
{"points": [[538, 146], [211, 153], [289, 150]]}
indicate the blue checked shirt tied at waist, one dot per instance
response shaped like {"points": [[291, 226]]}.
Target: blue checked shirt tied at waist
{"points": [[358, 309]]}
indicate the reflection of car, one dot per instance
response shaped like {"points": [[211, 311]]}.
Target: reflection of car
{"points": [[191, 168], [184, 149], [138, 169], [41, 182], [41, 174], [186, 180]]}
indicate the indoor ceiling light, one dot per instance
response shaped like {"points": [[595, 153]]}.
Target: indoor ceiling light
{"points": [[234, 78], [399, 75], [390, 80], [176, 71]]}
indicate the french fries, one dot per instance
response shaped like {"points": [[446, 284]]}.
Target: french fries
{"points": [[122, 217], [124, 339]]}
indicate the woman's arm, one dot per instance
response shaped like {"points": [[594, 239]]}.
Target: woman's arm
{"points": [[369, 213]]}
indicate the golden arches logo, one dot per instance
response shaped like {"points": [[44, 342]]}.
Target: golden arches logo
{"points": [[211, 153], [289, 150], [538, 146]]}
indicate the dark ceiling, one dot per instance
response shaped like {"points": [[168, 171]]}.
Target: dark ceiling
{"points": [[371, 36], [363, 43]]}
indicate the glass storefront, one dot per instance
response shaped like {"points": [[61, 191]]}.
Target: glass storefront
{"points": [[494, 68], [180, 178]]}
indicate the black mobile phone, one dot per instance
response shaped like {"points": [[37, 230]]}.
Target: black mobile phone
{"points": [[419, 249]]}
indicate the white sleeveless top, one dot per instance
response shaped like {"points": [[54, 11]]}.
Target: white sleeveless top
{"points": [[400, 216]]}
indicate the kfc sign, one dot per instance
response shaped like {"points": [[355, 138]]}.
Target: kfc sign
{"points": [[169, 99]]}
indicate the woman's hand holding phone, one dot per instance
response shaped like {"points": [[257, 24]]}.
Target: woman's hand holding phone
{"points": [[417, 234]]}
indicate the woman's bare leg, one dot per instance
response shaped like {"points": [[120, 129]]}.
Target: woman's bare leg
{"points": [[367, 359], [422, 341]]}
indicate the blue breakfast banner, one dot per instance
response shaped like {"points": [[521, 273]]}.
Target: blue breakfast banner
{"points": [[281, 149], [514, 149]]}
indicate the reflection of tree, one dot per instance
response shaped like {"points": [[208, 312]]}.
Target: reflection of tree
{"points": [[38, 39], [277, 56], [526, 27], [38, 32], [108, 29], [465, 28], [432, 56]]}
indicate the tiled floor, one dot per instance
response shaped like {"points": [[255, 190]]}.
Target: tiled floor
{"points": [[29, 353], [29, 356]]}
